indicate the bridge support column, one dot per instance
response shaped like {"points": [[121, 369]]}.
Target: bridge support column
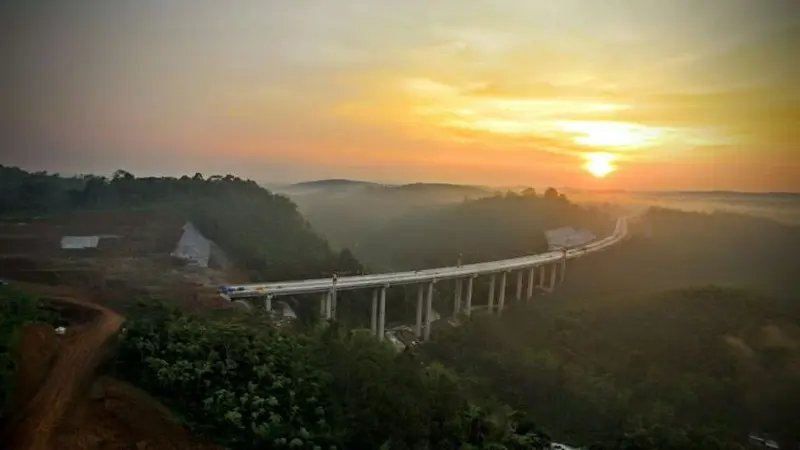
{"points": [[501, 299], [542, 275], [563, 268], [420, 297], [429, 311], [553, 273], [323, 305], [519, 286], [531, 276], [468, 301], [373, 319], [329, 304], [268, 302], [457, 297], [382, 314], [490, 304]]}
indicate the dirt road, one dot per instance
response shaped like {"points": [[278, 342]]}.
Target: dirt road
{"points": [[71, 373]]}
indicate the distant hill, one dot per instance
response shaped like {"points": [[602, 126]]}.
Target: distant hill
{"points": [[726, 195], [440, 187], [332, 183], [346, 210], [337, 185], [326, 187], [421, 194], [780, 206], [484, 229]]}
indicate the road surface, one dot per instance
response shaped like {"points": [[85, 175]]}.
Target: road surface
{"points": [[421, 276]]}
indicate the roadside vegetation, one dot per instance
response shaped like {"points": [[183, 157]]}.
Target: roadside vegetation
{"points": [[327, 388], [263, 232], [685, 337], [691, 328], [710, 361], [16, 310], [494, 227]]}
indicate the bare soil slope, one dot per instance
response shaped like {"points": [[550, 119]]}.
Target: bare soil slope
{"points": [[61, 404], [134, 262]]}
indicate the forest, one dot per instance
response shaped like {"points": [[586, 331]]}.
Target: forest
{"points": [[248, 386], [421, 226], [691, 326], [324, 387], [16, 309], [263, 232], [719, 362], [685, 337], [496, 227]]}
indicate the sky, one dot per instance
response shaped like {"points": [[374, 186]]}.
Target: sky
{"points": [[605, 94]]}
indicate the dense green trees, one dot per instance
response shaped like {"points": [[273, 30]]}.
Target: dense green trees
{"points": [[248, 389], [673, 249], [330, 388], [665, 438], [16, 309], [263, 232], [689, 359], [425, 225], [621, 357], [625, 355], [490, 228]]}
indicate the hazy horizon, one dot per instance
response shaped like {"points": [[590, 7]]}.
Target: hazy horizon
{"points": [[272, 184], [524, 186], [339, 194], [637, 95]]}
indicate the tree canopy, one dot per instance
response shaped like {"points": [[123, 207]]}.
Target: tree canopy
{"points": [[262, 231], [329, 388], [497, 227]]}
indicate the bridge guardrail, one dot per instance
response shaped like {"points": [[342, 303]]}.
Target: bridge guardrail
{"points": [[414, 277]]}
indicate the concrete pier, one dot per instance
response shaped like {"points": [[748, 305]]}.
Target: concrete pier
{"points": [[542, 275], [382, 314], [501, 300], [531, 280], [420, 298], [373, 319], [490, 303], [334, 300], [457, 297], [518, 298], [429, 311], [468, 301]]}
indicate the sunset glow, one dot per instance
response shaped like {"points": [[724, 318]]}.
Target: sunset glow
{"points": [[610, 134], [509, 93], [599, 164]]}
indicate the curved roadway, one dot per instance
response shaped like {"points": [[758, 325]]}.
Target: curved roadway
{"points": [[420, 276]]}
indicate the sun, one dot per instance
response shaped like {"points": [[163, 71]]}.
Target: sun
{"points": [[599, 164]]}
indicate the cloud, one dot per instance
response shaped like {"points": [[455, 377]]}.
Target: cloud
{"points": [[390, 82]]}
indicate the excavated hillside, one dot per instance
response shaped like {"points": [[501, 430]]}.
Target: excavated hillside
{"points": [[132, 257], [60, 401]]}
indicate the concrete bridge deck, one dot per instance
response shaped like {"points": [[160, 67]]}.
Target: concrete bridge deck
{"points": [[280, 288], [463, 277]]}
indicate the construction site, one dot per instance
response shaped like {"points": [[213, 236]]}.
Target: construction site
{"points": [[90, 268]]}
